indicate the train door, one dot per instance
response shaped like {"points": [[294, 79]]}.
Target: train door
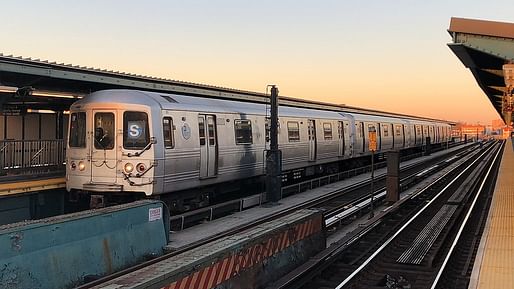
{"points": [[359, 141], [340, 130], [415, 134], [407, 135], [393, 137], [379, 135], [103, 153], [347, 141], [312, 140], [208, 145], [403, 135], [424, 135]]}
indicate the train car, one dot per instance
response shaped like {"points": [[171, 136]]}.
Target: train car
{"points": [[126, 144]]}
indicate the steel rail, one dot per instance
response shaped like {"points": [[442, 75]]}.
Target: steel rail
{"points": [[342, 212], [388, 241], [464, 222]]}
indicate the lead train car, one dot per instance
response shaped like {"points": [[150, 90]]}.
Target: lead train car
{"points": [[127, 143]]}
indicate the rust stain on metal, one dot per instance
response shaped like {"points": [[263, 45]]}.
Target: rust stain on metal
{"points": [[107, 255], [211, 276]]}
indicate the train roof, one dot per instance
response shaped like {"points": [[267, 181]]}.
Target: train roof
{"points": [[375, 118], [188, 103], [202, 104]]}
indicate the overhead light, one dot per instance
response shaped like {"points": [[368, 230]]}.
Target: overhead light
{"points": [[54, 94], [29, 110], [27, 90], [8, 89]]}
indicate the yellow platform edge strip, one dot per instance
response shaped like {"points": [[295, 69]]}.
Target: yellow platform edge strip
{"points": [[9, 189]]}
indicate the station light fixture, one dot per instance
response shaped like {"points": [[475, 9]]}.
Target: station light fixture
{"points": [[54, 94], [8, 89], [28, 90], [508, 97], [44, 111]]}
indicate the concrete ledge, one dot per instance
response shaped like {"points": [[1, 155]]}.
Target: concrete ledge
{"points": [[249, 259], [59, 252]]}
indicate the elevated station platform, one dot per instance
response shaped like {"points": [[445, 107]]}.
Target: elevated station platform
{"points": [[25, 197], [494, 262], [10, 187]]}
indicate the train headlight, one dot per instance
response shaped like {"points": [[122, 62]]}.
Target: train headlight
{"points": [[141, 167], [82, 166], [128, 168], [73, 166]]}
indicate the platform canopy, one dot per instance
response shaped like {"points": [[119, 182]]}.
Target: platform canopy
{"points": [[487, 49], [27, 83]]}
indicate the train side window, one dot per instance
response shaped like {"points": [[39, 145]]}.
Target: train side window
{"points": [[418, 130], [243, 131], [167, 130], [293, 131], [77, 137], [398, 130], [385, 130], [371, 127], [210, 129], [327, 131], [201, 130]]}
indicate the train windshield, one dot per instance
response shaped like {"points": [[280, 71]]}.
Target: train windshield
{"points": [[77, 137], [135, 130], [104, 130]]}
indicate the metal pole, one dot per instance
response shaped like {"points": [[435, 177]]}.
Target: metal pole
{"points": [[274, 156], [274, 119], [372, 209]]}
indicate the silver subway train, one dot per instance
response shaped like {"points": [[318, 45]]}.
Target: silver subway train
{"points": [[127, 143]]}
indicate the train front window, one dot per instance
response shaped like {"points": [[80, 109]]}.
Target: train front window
{"points": [[104, 130], [135, 130], [77, 137]]}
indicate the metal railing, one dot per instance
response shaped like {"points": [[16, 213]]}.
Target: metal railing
{"points": [[30, 155]]}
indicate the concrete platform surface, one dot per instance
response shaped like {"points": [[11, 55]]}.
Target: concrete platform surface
{"points": [[494, 263]]}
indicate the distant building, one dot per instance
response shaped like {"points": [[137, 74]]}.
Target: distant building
{"points": [[497, 125], [473, 131]]}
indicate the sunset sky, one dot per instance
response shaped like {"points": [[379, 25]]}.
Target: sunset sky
{"points": [[387, 55]]}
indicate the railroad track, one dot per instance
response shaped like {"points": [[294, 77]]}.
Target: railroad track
{"points": [[361, 188], [418, 244]]}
